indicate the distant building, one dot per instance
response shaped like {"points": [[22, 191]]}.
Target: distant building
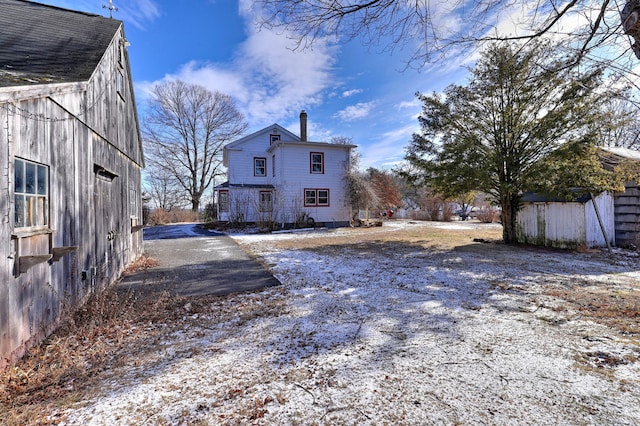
{"points": [[71, 163], [278, 177]]}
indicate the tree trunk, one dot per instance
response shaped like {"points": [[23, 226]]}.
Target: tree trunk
{"points": [[510, 205]]}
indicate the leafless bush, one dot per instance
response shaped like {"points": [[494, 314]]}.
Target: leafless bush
{"points": [[487, 214], [239, 209], [161, 217]]}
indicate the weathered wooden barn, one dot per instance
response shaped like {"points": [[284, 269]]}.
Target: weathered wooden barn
{"points": [[626, 203], [71, 158], [583, 222]]}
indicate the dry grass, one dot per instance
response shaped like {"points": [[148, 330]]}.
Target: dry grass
{"points": [[436, 238], [619, 309], [115, 326], [87, 342]]}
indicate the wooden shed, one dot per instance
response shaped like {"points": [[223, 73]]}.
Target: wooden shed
{"points": [[71, 162], [584, 222], [627, 203]]}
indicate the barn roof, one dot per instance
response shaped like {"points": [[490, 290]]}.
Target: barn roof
{"points": [[41, 44], [613, 156], [536, 197]]}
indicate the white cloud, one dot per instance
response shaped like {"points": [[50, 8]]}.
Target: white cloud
{"points": [[268, 80], [389, 149], [349, 93], [355, 112], [412, 104]]}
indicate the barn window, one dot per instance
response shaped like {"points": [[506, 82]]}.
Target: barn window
{"points": [[120, 83], [223, 201], [259, 166], [316, 197], [317, 162], [266, 201], [31, 194]]}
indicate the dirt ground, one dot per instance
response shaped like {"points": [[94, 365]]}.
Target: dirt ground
{"points": [[409, 323]]}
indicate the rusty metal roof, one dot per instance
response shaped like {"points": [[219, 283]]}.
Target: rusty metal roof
{"points": [[41, 44]]}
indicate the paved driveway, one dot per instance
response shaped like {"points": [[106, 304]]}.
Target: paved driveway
{"points": [[194, 261]]}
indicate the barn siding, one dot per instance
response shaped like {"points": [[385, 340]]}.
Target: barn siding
{"points": [[627, 214], [71, 129]]}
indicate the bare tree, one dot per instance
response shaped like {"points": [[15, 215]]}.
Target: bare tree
{"points": [[185, 131], [619, 127], [162, 188], [433, 29]]}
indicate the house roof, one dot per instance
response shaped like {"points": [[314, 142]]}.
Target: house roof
{"points": [[227, 185], [274, 127], [41, 44]]}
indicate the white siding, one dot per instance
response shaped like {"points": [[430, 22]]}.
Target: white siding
{"points": [[566, 225], [292, 176], [295, 177]]}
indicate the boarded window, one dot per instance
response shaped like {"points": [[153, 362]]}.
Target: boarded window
{"points": [[223, 201], [120, 84], [31, 194], [266, 201]]}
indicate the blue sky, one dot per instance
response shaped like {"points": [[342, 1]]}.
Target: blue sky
{"points": [[347, 90]]}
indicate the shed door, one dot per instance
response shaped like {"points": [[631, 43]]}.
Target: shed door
{"points": [[105, 229]]}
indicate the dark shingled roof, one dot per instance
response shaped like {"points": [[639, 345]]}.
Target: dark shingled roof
{"points": [[42, 44]]}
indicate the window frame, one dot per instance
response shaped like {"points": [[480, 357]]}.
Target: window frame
{"points": [[255, 166], [223, 206], [273, 138], [269, 206], [273, 165], [320, 163], [316, 197], [35, 205], [120, 83]]}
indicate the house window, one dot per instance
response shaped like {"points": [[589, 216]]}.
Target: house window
{"points": [[120, 83], [317, 162], [259, 166], [266, 201], [316, 197], [223, 201], [273, 165], [274, 138], [31, 194]]}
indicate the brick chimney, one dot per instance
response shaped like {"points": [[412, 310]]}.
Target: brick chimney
{"points": [[303, 126]]}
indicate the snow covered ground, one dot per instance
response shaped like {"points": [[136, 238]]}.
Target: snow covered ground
{"points": [[377, 334]]}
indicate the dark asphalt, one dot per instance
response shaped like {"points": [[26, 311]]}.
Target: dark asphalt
{"points": [[195, 262]]}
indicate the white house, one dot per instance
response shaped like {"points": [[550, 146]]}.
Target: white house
{"points": [[277, 177]]}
